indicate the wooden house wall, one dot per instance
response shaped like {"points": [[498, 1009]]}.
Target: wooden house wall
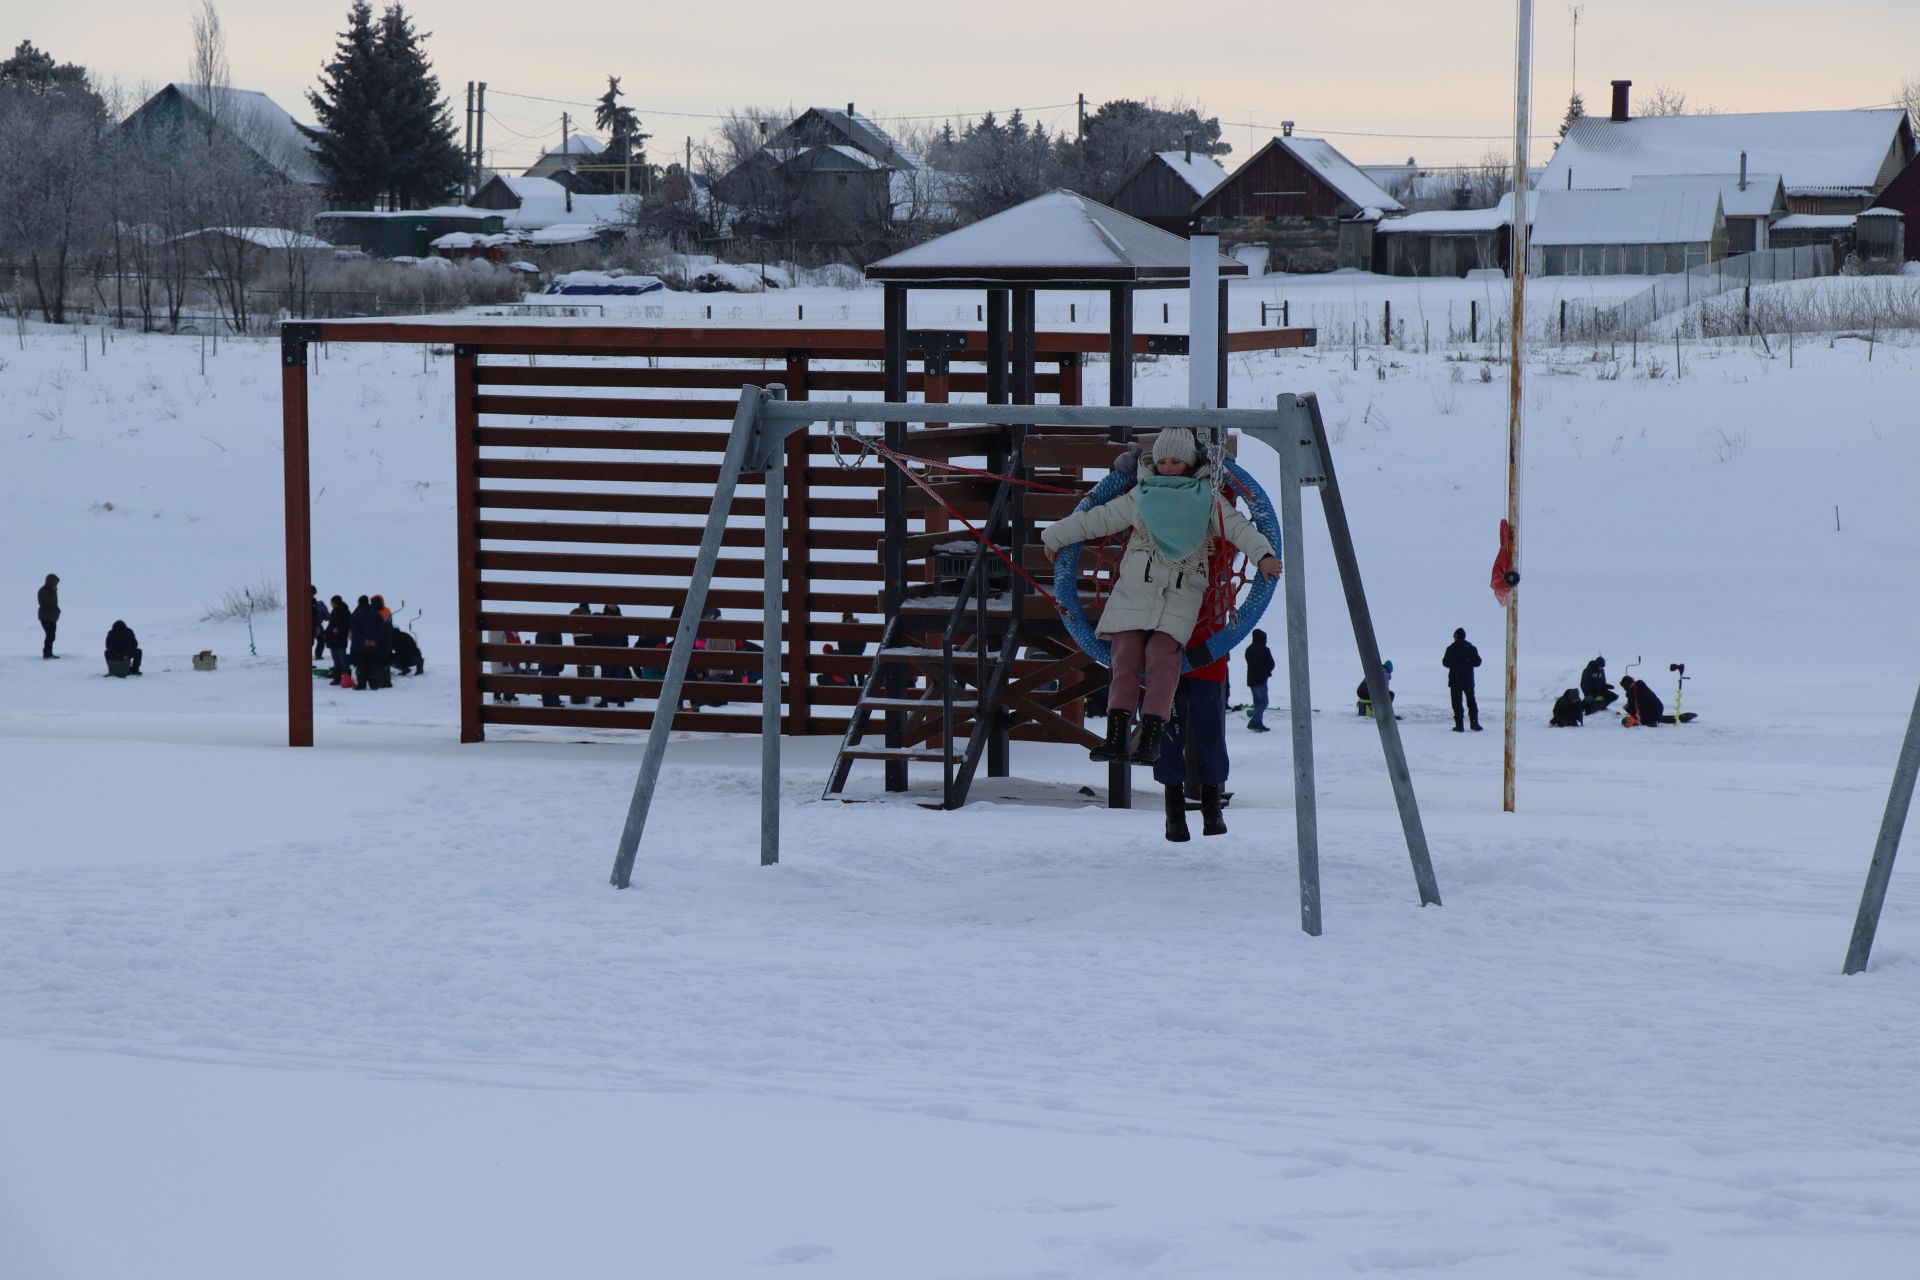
{"points": [[1157, 195], [1903, 196], [1253, 191]]}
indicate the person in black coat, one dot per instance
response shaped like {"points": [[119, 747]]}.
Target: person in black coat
{"points": [[1460, 659], [1594, 688], [336, 636], [1569, 710], [1643, 704], [318, 619], [123, 645], [582, 640], [49, 613], [549, 668], [615, 672], [363, 643], [1259, 671]]}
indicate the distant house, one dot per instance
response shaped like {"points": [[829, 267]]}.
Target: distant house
{"points": [[559, 164], [1829, 162], [1166, 186], [1613, 233], [1445, 242], [829, 179], [405, 233], [1902, 196], [1304, 202], [253, 120], [1752, 202], [534, 204]]}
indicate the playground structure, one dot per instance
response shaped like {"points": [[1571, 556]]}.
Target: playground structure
{"points": [[1293, 429]]}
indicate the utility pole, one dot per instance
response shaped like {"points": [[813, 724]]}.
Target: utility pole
{"points": [[466, 177], [1080, 134], [1516, 368], [480, 136], [566, 157]]}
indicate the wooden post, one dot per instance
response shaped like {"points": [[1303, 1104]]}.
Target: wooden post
{"points": [[466, 483], [799, 584], [299, 522]]}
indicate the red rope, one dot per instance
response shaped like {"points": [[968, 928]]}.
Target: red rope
{"points": [[885, 452], [888, 455]]}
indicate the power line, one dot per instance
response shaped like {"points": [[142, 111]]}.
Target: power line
{"points": [[530, 137], [712, 115]]}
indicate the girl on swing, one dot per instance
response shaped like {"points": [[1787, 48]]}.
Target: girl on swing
{"points": [[1161, 585]]}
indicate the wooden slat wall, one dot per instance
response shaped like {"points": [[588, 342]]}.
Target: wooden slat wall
{"points": [[570, 495]]}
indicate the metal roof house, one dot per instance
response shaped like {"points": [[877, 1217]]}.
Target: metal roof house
{"points": [[1446, 242], [1307, 204], [1163, 188], [1902, 196], [1829, 162], [1752, 202], [1612, 233], [259, 124]]}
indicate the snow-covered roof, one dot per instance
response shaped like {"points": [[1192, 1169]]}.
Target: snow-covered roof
{"points": [[1201, 172], [1323, 159], [1879, 212], [1763, 194], [263, 126], [1686, 216], [1453, 221], [580, 144], [1815, 222], [563, 233], [874, 140], [544, 203], [1814, 152], [265, 237], [1055, 238]]}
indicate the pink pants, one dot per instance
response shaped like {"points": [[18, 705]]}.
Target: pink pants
{"points": [[1162, 655]]}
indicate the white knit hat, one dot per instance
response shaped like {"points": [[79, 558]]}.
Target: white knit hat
{"points": [[1178, 444]]}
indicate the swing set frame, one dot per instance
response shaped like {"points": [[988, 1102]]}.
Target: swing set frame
{"points": [[1293, 429]]}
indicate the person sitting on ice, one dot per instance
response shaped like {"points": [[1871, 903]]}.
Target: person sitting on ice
{"points": [[123, 646], [1364, 699], [1599, 695], [1643, 705], [1161, 585], [1569, 710]]}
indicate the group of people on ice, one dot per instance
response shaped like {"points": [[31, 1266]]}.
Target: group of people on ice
{"points": [[121, 648], [364, 645], [1641, 707]]}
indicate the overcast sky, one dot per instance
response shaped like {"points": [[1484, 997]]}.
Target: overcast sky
{"points": [[1347, 72]]}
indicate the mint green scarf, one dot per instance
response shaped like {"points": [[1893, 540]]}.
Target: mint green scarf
{"points": [[1175, 510]]}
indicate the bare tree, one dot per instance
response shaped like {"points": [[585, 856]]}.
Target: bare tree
{"points": [[1490, 178], [1908, 96], [1668, 99], [210, 71], [49, 178]]}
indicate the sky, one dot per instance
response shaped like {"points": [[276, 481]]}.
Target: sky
{"points": [[1410, 78]]}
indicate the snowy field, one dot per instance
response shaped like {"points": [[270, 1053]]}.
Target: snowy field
{"points": [[372, 1010]]}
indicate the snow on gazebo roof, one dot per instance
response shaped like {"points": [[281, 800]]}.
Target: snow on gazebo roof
{"points": [[1056, 239]]}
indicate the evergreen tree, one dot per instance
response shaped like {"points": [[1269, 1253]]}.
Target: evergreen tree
{"points": [[34, 71], [426, 160], [625, 143], [352, 137], [384, 129], [1576, 108]]}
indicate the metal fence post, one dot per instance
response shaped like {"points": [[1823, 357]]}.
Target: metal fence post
{"points": [[1306, 822], [774, 545]]}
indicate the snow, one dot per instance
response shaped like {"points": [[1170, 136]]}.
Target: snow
{"points": [[1816, 222], [1455, 221], [267, 237], [265, 127], [1761, 196], [371, 1008], [1814, 152], [1062, 230], [544, 203], [1324, 159], [1580, 217], [1201, 172]]}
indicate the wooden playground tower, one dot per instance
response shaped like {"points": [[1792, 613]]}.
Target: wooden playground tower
{"points": [[948, 657]]}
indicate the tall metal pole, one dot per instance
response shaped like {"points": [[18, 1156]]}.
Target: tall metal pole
{"points": [[480, 136], [1516, 369], [466, 178]]}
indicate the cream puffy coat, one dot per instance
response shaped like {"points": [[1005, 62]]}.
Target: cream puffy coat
{"points": [[1146, 596]]}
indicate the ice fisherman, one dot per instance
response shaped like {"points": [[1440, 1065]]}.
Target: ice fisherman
{"points": [[49, 614], [1643, 704], [1460, 659], [1259, 671], [122, 646], [1161, 585], [1599, 695], [1364, 699]]}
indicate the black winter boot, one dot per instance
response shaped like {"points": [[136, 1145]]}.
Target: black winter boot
{"points": [[1115, 747], [1211, 823], [1147, 750], [1177, 815]]}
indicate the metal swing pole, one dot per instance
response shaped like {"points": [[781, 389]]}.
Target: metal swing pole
{"points": [[745, 424], [1880, 871]]}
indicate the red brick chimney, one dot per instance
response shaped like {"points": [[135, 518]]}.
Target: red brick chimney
{"points": [[1620, 88]]}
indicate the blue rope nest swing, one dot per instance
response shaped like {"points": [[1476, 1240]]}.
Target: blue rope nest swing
{"points": [[1066, 571]]}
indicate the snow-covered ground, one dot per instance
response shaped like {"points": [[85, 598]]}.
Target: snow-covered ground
{"points": [[371, 1009]]}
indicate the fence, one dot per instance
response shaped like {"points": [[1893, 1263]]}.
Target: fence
{"points": [[1586, 321]]}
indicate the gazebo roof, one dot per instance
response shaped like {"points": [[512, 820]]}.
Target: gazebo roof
{"points": [[1058, 240]]}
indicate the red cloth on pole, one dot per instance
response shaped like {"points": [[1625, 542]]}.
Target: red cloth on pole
{"points": [[1503, 565]]}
